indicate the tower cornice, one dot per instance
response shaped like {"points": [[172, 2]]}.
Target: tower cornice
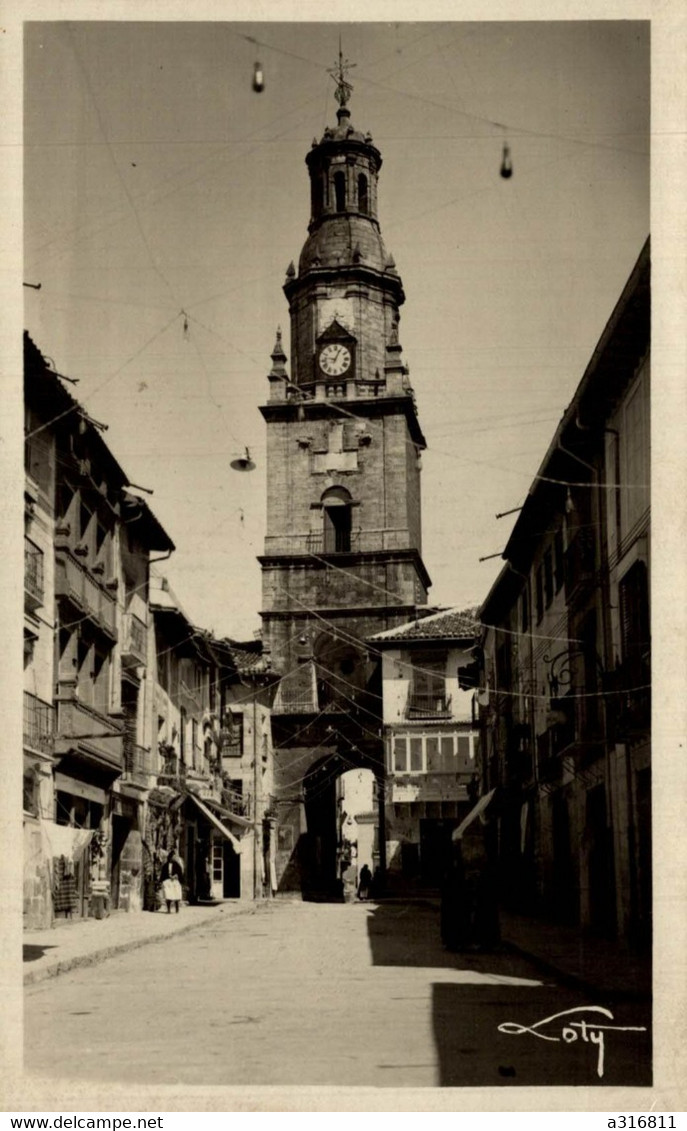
{"points": [[368, 407], [349, 272]]}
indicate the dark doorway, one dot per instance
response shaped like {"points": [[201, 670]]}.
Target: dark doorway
{"points": [[121, 827], [321, 880], [232, 872], [435, 849]]}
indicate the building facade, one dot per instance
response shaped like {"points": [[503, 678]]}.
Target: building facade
{"points": [[125, 756], [87, 554], [565, 705], [431, 741], [342, 554]]}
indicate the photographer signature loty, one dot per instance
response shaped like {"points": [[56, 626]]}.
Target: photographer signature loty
{"points": [[590, 1031]]}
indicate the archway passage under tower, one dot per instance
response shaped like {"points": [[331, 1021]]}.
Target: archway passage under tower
{"points": [[309, 813]]}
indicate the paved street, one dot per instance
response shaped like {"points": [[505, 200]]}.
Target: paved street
{"points": [[299, 993]]}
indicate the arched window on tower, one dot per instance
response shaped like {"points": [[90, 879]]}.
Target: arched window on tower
{"points": [[363, 202], [337, 511], [340, 191]]}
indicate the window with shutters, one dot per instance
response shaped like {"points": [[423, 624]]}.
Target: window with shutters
{"points": [[634, 457], [633, 593]]}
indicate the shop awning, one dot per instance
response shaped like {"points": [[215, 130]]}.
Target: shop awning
{"points": [[227, 815], [210, 816], [475, 812]]}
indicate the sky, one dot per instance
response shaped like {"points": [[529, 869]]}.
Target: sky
{"points": [[164, 199]]}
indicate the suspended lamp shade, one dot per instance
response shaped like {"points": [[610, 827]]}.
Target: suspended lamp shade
{"points": [[506, 164], [258, 78], [243, 463]]}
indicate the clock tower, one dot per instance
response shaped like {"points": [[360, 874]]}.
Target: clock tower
{"points": [[342, 556]]}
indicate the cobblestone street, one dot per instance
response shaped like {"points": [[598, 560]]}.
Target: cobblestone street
{"points": [[305, 994]]}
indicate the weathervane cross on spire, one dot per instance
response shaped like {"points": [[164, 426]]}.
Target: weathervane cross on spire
{"points": [[344, 88]]}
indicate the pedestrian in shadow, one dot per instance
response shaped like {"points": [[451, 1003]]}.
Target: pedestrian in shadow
{"points": [[171, 882], [364, 882], [455, 917]]}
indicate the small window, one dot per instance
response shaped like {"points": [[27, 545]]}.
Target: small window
{"points": [[340, 191], [400, 755], [416, 764], [363, 204], [548, 577], [633, 593]]}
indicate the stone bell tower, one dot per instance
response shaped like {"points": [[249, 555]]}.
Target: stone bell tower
{"points": [[342, 556]]}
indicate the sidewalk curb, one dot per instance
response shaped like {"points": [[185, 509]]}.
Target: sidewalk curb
{"points": [[92, 958], [576, 981]]}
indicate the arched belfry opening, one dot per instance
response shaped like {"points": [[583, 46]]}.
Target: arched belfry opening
{"points": [[340, 191], [337, 511], [363, 200]]}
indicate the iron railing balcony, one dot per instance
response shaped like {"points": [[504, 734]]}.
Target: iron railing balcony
{"points": [[428, 706], [39, 724], [73, 582], [33, 576]]}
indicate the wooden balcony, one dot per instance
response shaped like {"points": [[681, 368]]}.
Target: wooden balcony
{"points": [[76, 585], [89, 731]]}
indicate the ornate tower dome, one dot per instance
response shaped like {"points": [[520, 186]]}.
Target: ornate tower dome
{"points": [[344, 257]]}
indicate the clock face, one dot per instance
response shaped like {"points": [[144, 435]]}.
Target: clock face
{"points": [[335, 359]]}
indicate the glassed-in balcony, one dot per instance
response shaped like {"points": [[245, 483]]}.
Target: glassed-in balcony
{"points": [[133, 640]]}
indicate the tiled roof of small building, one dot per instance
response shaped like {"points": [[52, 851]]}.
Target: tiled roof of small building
{"points": [[448, 624], [247, 655]]}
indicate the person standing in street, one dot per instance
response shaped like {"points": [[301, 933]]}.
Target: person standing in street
{"points": [[171, 882], [364, 883]]}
